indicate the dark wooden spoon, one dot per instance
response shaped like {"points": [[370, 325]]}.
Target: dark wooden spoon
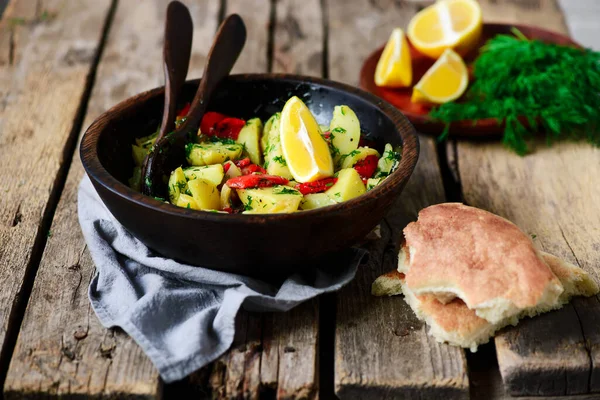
{"points": [[179, 31], [169, 152]]}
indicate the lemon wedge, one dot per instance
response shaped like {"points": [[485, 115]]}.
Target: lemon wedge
{"points": [[447, 24], [394, 68], [445, 81], [306, 152]]}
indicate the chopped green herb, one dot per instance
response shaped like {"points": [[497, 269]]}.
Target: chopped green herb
{"points": [[533, 236], [188, 205], [342, 110], [49, 234], [339, 129], [285, 190], [280, 160], [148, 182], [214, 139], [329, 184], [188, 149], [392, 156], [248, 205], [159, 198]]}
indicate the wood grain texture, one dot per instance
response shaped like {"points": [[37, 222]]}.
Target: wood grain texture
{"points": [[298, 37], [382, 349], [46, 52], [254, 57], [273, 355], [62, 349], [550, 194]]}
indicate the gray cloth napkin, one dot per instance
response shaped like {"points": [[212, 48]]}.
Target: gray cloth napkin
{"points": [[182, 316]]}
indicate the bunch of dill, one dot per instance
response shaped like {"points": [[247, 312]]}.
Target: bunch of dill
{"points": [[530, 85]]}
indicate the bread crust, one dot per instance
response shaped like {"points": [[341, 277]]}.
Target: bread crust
{"points": [[455, 250]]}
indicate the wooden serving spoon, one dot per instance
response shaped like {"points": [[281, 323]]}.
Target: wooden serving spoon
{"points": [[169, 152], [179, 31]]}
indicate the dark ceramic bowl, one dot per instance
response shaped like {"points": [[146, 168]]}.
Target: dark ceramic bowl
{"points": [[257, 245]]}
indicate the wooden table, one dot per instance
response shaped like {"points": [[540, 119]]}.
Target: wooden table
{"points": [[63, 62]]}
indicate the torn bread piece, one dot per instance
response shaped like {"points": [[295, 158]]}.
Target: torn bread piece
{"points": [[389, 284], [456, 324], [455, 251]]}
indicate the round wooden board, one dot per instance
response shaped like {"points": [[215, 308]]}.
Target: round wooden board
{"points": [[417, 113]]}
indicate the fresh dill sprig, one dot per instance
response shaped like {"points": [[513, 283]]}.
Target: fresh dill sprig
{"points": [[528, 86]]}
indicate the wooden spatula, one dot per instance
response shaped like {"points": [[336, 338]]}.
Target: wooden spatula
{"points": [[169, 152]]}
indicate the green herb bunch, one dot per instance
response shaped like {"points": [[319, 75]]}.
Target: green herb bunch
{"points": [[530, 85]]}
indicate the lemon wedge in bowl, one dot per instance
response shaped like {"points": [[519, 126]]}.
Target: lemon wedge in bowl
{"points": [[306, 152], [445, 81], [447, 24], [394, 68]]}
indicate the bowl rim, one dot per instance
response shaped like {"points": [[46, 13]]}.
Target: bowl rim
{"points": [[96, 172]]}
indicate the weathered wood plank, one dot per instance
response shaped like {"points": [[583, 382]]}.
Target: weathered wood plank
{"points": [[273, 355], [62, 349], [256, 15], [46, 52], [382, 349], [298, 37], [237, 373], [297, 48], [550, 193]]}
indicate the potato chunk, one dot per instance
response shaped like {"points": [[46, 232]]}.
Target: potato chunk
{"points": [[345, 131], [348, 160], [186, 201], [388, 162], [275, 162], [212, 153], [212, 173], [316, 200], [276, 199], [177, 185], [233, 170], [250, 137], [205, 194], [348, 186], [373, 182], [264, 139]]}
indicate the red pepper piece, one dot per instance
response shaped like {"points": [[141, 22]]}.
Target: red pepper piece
{"points": [[228, 210], [184, 111], [327, 136], [316, 186], [252, 168], [226, 167], [367, 166], [364, 142], [244, 162], [255, 181], [209, 121], [229, 128]]}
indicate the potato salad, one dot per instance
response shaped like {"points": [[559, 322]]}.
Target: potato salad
{"points": [[288, 163]]}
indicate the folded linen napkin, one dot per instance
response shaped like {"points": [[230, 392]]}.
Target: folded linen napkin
{"points": [[182, 316]]}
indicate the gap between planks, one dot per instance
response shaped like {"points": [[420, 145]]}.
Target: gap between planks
{"points": [[19, 305]]}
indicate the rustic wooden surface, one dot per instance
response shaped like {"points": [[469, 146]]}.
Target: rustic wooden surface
{"points": [[273, 355], [374, 334], [45, 58], [549, 194], [62, 348], [48, 54]]}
